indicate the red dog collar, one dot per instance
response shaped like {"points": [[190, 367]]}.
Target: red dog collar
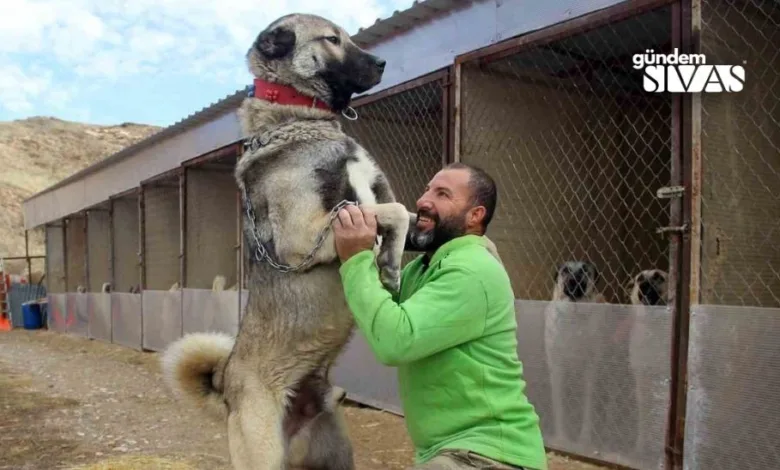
{"points": [[283, 94]]}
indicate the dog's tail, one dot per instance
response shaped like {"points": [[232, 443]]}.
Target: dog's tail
{"points": [[193, 366]]}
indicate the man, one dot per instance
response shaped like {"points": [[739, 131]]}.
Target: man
{"points": [[450, 330]]}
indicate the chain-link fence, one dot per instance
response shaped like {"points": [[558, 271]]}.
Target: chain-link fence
{"points": [[98, 248], [733, 414], [578, 150], [406, 133], [740, 144], [76, 252], [161, 246], [125, 245], [211, 226]]}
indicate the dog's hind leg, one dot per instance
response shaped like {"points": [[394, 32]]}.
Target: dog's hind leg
{"points": [[322, 442], [255, 434]]}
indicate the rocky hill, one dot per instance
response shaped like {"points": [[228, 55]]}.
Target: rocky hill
{"points": [[37, 152]]}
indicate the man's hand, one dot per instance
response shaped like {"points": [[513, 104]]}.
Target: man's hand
{"points": [[354, 231]]}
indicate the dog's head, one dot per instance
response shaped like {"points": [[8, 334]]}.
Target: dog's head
{"points": [[576, 280], [316, 57], [649, 288]]}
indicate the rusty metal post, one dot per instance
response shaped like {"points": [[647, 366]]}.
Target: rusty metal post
{"points": [[46, 265], [86, 251], [456, 112], [688, 276], [675, 254], [27, 255], [446, 85], [183, 228], [111, 257], [141, 240], [182, 242], [65, 280]]}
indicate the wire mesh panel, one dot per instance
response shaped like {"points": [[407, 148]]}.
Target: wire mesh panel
{"points": [[365, 380], [126, 320], [740, 144], [598, 376], [211, 227], [405, 134], [99, 314], [206, 310], [57, 309], [98, 246], [78, 313], [578, 150], [162, 313], [124, 220], [75, 252], [55, 259], [733, 411], [162, 235]]}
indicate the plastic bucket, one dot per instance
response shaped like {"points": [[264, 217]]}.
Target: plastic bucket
{"points": [[31, 316]]}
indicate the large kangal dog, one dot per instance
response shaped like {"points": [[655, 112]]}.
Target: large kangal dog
{"points": [[271, 383]]}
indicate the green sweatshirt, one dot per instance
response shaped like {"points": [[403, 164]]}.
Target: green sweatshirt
{"points": [[451, 334]]}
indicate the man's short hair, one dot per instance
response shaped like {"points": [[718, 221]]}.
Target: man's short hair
{"points": [[483, 189]]}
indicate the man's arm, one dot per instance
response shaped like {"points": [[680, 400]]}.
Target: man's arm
{"points": [[450, 309]]}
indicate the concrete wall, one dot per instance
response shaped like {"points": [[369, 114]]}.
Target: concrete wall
{"points": [[577, 169], [125, 246], [99, 248], [161, 235], [741, 169], [211, 227]]}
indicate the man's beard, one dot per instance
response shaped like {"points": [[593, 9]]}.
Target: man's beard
{"points": [[442, 231]]}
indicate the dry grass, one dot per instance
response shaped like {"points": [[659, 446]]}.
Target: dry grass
{"points": [[21, 443], [121, 404], [137, 462], [36, 153]]}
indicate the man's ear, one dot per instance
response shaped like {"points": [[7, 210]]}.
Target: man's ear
{"points": [[477, 215], [275, 43]]}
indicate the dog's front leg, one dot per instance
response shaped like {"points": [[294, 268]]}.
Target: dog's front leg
{"points": [[393, 223]]}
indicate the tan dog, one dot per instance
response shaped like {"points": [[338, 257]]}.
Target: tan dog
{"points": [[271, 382], [573, 344], [648, 331]]}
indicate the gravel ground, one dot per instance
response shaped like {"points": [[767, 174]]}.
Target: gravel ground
{"points": [[67, 402]]}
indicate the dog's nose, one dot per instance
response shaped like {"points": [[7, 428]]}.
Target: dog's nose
{"points": [[380, 63]]}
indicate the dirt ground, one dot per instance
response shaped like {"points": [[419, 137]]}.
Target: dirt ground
{"points": [[70, 403]]}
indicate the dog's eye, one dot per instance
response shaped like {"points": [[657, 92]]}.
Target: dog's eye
{"points": [[333, 39]]}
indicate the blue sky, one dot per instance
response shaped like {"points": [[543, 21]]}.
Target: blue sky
{"points": [[146, 61]]}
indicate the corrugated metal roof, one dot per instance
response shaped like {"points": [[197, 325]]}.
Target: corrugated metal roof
{"points": [[399, 21]]}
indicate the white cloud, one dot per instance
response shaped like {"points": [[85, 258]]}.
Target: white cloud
{"points": [[18, 89], [108, 39]]}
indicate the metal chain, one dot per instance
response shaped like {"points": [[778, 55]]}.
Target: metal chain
{"points": [[261, 254], [251, 144]]}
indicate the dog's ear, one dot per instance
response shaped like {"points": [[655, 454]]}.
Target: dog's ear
{"points": [[275, 43], [556, 272]]}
